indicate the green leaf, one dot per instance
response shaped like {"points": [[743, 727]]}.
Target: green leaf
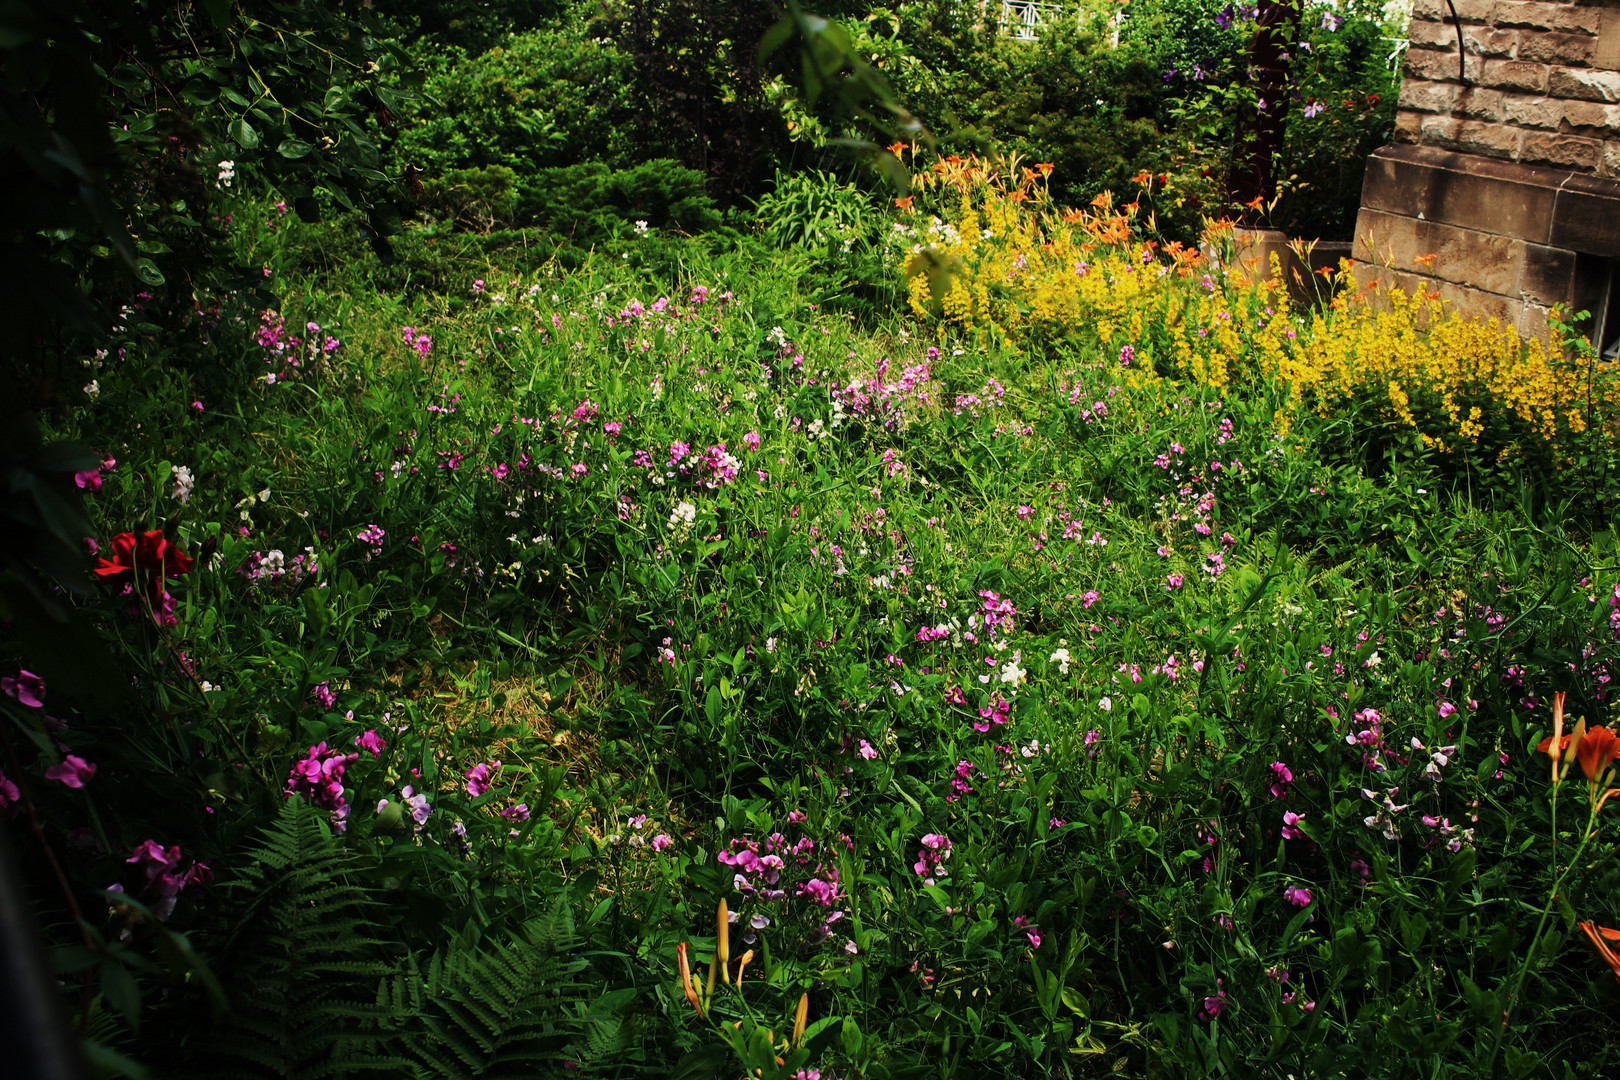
{"points": [[245, 136]]}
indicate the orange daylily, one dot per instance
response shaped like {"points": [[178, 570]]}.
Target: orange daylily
{"points": [[1600, 936], [897, 148], [1426, 261], [1044, 168], [905, 203], [1596, 751]]}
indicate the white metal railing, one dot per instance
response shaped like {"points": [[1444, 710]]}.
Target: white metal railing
{"points": [[1022, 20]]}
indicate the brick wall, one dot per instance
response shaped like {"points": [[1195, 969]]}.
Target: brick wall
{"points": [[1542, 82]]}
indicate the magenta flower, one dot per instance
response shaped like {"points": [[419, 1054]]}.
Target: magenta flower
{"points": [[1284, 776], [10, 796], [319, 776], [73, 771], [520, 812], [1297, 896], [661, 841], [1291, 830], [323, 696], [1174, 581], [418, 804], [867, 751], [371, 742], [1031, 932], [27, 689], [478, 777]]}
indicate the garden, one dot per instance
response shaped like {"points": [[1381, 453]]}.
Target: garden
{"points": [[547, 540]]}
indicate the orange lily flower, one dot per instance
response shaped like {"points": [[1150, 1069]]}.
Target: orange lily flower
{"points": [[1600, 936], [1596, 751], [905, 203], [896, 148], [1044, 168]]}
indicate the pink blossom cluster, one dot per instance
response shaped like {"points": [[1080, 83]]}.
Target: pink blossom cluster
{"points": [[931, 858], [319, 778], [289, 354], [164, 879]]}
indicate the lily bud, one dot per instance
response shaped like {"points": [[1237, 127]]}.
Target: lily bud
{"points": [[800, 1015], [714, 961], [686, 978], [742, 962], [722, 935]]}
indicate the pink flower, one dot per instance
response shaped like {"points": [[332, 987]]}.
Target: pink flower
{"points": [[661, 841], [321, 694], [1173, 582], [371, 742], [751, 440], [1291, 830], [1297, 896], [73, 771], [10, 796], [866, 750], [520, 812], [478, 778], [27, 688]]}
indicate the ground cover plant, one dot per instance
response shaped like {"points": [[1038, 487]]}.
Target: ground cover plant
{"points": [[584, 628], [1031, 696]]}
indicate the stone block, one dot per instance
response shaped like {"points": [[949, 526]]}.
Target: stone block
{"points": [[1394, 185], [1570, 50], [1546, 275], [1408, 127], [1440, 131], [1533, 112], [1390, 240], [1430, 10], [1584, 84], [1437, 65], [1564, 151], [1517, 75], [1487, 138], [1542, 16], [1611, 158], [1475, 104], [1586, 217], [1484, 41], [1438, 35], [1476, 259], [1589, 115], [1607, 53], [1438, 97]]}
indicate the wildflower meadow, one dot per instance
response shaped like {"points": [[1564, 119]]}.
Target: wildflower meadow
{"points": [[950, 634]]}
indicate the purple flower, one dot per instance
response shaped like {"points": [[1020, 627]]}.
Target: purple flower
{"points": [[418, 804], [319, 776], [661, 841], [371, 742], [1291, 831], [1314, 108], [478, 777], [1297, 896], [323, 696], [10, 796], [866, 750], [27, 688], [520, 812], [73, 771]]}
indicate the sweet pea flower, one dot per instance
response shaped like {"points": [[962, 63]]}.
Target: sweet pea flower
{"points": [[72, 772], [371, 742], [26, 689], [478, 777]]}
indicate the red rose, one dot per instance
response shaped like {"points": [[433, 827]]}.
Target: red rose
{"points": [[150, 556]]}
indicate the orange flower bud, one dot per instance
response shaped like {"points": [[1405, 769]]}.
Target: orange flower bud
{"points": [[800, 1015]]}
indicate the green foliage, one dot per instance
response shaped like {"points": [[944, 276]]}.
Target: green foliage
{"points": [[593, 202], [814, 209], [304, 954], [539, 99], [499, 1010], [476, 199]]}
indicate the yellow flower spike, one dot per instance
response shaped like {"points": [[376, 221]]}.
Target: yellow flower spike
{"points": [[800, 1015], [714, 962]]}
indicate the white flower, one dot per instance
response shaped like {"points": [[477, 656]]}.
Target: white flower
{"points": [[1063, 659], [641, 228], [1012, 674], [227, 173], [92, 389], [183, 483], [1106, 704]]}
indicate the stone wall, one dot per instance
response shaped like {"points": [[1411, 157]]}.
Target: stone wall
{"points": [[1543, 82], [1502, 189]]}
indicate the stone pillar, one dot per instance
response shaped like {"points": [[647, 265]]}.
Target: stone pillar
{"points": [[1507, 173]]}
